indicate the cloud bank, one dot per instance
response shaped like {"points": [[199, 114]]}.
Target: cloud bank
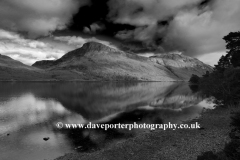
{"points": [[37, 17], [26, 50], [201, 31], [195, 27]]}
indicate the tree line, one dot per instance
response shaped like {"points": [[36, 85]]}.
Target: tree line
{"points": [[223, 82]]}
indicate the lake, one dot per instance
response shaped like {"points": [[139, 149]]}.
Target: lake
{"points": [[29, 113]]}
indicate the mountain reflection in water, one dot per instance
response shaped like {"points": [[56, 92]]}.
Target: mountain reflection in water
{"points": [[30, 111]]}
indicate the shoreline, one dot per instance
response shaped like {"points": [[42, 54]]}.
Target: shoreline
{"points": [[184, 144], [82, 81]]}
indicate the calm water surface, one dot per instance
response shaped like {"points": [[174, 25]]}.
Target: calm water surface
{"points": [[29, 112]]}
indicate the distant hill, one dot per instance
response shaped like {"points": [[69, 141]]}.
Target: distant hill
{"points": [[11, 69], [181, 66], [95, 62]]}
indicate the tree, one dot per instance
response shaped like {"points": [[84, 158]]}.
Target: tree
{"points": [[207, 74], [194, 79], [223, 63], [233, 46]]}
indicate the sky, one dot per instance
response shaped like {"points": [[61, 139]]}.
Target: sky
{"points": [[32, 30]]}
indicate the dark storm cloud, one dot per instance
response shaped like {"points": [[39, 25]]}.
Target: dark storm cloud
{"points": [[90, 14], [140, 24], [94, 19], [205, 3], [152, 22], [194, 27]]}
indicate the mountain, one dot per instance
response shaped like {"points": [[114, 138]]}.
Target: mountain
{"points": [[11, 69], [181, 66], [95, 62]]}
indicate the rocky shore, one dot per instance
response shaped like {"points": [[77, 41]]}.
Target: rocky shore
{"points": [[185, 144]]}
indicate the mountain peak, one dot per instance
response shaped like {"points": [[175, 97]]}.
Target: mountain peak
{"points": [[95, 46]]}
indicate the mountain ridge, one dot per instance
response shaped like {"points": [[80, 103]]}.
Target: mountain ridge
{"points": [[96, 62]]}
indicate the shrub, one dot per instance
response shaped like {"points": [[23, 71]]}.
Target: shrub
{"points": [[194, 79]]}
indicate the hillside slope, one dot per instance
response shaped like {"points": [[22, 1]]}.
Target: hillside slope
{"points": [[95, 61], [11, 69], [181, 66]]}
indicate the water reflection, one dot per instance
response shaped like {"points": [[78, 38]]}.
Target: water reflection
{"points": [[29, 112]]}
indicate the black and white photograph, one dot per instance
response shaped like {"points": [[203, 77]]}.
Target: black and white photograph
{"points": [[119, 79]]}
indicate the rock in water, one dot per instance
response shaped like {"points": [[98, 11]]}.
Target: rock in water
{"points": [[46, 138]]}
